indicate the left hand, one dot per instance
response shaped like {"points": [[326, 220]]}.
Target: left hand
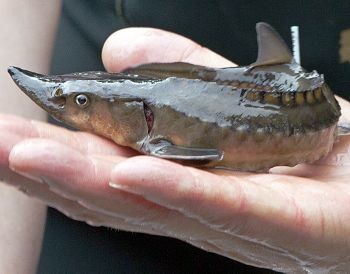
{"points": [[292, 220]]}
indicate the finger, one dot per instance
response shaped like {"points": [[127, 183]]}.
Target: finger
{"points": [[180, 188], [134, 46], [14, 129], [7, 141], [26, 157], [68, 182], [345, 108], [84, 179], [37, 188], [230, 204]]}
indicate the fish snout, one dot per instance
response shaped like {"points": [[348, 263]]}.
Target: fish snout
{"points": [[39, 88]]}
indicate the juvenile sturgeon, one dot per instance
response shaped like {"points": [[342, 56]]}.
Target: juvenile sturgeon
{"points": [[251, 118]]}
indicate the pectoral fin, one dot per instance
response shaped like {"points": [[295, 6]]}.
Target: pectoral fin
{"points": [[165, 149], [272, 48]]}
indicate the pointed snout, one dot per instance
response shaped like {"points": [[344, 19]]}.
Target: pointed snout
{"points": [[15, 71], [36, 86], [29, 82]]}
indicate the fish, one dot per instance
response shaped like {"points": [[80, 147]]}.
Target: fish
{"points": [[247, 118]]}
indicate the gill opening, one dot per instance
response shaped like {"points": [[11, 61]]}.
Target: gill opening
{"points": [[149, 116]]}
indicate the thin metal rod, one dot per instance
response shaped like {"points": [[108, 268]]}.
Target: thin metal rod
{"points": [[296, 43]]}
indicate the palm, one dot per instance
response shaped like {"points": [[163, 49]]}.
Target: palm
{"points": [[294, 219]]}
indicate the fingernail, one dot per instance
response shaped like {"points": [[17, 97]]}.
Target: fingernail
{"points": [[120, 187], [115, 178]]}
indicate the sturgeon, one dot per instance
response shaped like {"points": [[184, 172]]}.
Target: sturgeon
{"points": [[249, 118]]}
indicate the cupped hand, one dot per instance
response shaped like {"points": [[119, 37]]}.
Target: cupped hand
{"points": [[291, 220]]}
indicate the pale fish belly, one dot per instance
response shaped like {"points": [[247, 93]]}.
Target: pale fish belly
{"points": [[260, 152]]}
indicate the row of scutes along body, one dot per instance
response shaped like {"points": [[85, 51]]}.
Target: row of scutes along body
{"points": [[266, 95]]}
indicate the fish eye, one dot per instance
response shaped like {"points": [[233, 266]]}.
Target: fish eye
{"points": [[81, 100]]}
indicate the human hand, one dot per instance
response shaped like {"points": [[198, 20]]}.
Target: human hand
{"points": [[292, 220]]}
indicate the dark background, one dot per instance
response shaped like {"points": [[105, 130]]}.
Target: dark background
{"points": [[227, 27]]}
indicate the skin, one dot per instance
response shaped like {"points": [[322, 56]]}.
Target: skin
{"points": [[292, 220], [22, 218]]}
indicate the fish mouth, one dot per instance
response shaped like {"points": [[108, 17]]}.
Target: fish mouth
{"points": [[39, 88]]}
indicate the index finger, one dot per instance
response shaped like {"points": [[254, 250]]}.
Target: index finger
{"points": [[14, 129]]}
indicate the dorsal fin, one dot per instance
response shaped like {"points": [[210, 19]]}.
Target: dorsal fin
{"points": [[272, 48]]}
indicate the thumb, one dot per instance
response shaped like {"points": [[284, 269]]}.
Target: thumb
{"points": [[134, 46]]}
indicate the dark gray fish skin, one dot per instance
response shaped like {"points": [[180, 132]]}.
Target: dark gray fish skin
{"points": [[244, 118], [253, 133], [34, 86]]}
